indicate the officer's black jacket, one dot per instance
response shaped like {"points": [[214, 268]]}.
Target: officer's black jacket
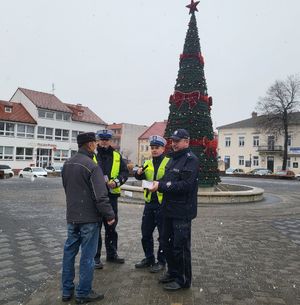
{"points": [[85, 189], [105, 161], [180, 185]]}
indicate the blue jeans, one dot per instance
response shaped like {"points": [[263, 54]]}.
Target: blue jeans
{"points": [[83, 235]]}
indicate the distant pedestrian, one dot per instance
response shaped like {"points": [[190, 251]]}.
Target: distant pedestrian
{"points": [[179, 187], [87, 203], [153, 169], [115, 173]]}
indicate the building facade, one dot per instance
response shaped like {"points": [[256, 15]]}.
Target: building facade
{"points": [[243, 145], [125, 139], [38, 129], [144, 153]]}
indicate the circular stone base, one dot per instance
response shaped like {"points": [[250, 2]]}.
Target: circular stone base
{"points": [[222, 193]]}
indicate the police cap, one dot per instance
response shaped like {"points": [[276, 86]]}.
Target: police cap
{"points": [[180, 134], [156, 140], [104, 134]]}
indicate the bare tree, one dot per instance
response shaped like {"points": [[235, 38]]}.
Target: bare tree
{"points": [[281, 100]]}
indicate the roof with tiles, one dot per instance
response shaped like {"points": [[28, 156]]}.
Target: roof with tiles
{"points": [[18, 113], [45, 100], [84, 114], [157, 128], [254, 121]]}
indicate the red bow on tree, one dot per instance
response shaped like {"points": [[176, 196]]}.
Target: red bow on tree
{"points": [[179, 97], [210, 146]]}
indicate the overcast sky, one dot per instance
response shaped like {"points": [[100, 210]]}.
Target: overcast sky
{"points": [[121, 58]]}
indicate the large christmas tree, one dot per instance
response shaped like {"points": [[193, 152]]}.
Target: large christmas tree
{"points": [[190, 105]]}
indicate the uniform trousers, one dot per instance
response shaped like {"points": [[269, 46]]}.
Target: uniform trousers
{"points": [[111, 235], [177, 249], [152, 218]]}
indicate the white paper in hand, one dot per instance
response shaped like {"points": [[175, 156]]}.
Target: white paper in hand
{"points": [[106, 178], [147, 184]]}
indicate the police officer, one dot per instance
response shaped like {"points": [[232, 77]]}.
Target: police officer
{"points": [[179, 187], [86, 197], [152, 170], [115, 173]]}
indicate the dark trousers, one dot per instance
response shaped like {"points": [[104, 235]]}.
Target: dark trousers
{"points": [[111, 235], [177, 248], [152, 218]]}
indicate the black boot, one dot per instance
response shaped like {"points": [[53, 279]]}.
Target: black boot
{"points": [[144, 263]]}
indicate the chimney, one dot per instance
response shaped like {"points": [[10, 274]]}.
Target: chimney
{"points": [[254, 114]]}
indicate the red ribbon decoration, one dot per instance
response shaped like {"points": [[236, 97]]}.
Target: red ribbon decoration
{"points": [[195, 55], [210, 146], [192, 98]]}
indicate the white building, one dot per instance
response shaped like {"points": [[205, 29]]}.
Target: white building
{"points": [[38, 129], [243, 145]]}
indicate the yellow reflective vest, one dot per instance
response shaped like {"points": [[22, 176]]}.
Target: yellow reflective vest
{"points": [[115, 169], [149, 174]]}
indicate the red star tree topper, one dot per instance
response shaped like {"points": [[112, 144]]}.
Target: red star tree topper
{"points": [[193, 6]]}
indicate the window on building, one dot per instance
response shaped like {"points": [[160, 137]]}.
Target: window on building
{"points": [[6, 153], [24, 153], [61, 155], [288, 162], [73, 153], [59, 116], [25, 131], [255, 161], [241, 141], [45, 133], [295, 164], [146, 147], [7, 129], [255, 141], [62, 134], [241, 160], [75, 133], [8, 109], [45, 114], [142, 147], [289, 140], [227, 141], [66, 116]]}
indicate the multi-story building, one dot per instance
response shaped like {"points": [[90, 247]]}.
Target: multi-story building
{"points": [[125, 139], [157, 128], [243, 145], [37, 128]]}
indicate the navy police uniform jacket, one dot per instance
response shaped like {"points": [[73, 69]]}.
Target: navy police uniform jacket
{"points": [[180, 185]]}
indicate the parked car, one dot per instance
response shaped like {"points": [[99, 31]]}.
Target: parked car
{"points": [[263, 172], [288, 174], [297, 177], [53, 168], [29, 172], [7, 170], [232, 171], [255, 170]]}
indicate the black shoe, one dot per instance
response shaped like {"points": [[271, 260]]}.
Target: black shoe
{"points": [[157, 267], [91, 297], [115, 259], [99, 265], [172, 286], [166, 278], [67, 298], [144, 263]]}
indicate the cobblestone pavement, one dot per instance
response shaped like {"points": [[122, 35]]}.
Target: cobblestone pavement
{"points": [[242, 254]]}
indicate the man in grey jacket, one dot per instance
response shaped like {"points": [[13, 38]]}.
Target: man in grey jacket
{"points": [[87, 202]]}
